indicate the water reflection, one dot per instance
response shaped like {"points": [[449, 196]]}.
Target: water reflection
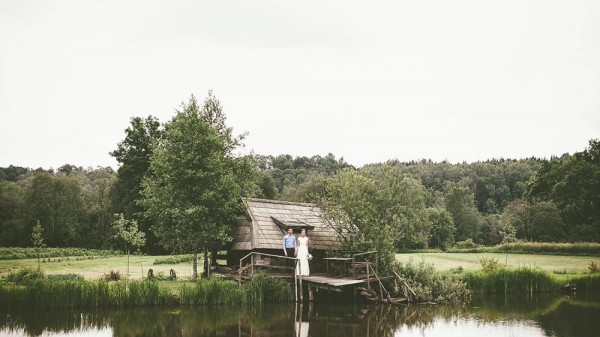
{"points": [[491, 316]]}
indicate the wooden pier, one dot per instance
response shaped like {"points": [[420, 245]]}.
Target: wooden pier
{"points": [[353, 274]]}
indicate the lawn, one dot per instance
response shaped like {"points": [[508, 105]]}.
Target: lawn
{"points": [[470, 261], [97, 267]]}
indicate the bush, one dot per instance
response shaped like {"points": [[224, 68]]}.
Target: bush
{"points": [[466, 244], [112, 276], [25, 276], [594, 267], [65, 277], [430, 285], [489, 264], [173, 259]]}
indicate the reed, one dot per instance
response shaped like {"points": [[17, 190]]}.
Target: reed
{"points": [[210, 291], [31, 289], [263, 289], [521, 280], [46, 294]]}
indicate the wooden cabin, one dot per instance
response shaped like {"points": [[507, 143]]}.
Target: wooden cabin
{"points": [[265, 222]]}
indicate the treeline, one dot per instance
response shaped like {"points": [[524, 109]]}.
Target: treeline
{"points": [[424, 204], [391, 205]]}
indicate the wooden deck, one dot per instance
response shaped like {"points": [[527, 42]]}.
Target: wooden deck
{"points": [[329, 282], [343, 274]]}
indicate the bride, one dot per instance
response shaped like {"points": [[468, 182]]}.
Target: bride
{"points": [[302, 267]]}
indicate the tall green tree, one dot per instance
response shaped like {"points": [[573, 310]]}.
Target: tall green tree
{"points": [[57, 202], [572, 183], [442, 228], [133, 155], [192, 194], [12, 220], [537, 221], [379, 212], [460, 202]]}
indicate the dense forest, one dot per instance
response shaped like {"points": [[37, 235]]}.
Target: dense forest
{"points": [[419, 204], [488, 202]]}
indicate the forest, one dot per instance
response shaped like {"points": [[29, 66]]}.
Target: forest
{"points": [[396, 205]]}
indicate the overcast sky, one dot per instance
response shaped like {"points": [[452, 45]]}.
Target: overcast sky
{"points": [[460, 80]]}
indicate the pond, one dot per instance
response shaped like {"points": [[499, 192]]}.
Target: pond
{"points": [[552, 315]]}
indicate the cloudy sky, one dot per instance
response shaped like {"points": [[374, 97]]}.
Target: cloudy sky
{"points": [[460, 80]]}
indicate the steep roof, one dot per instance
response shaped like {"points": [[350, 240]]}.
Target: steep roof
{"points": [[265, 222]]}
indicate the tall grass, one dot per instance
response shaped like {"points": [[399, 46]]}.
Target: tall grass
{"points": [[210, 291], [31, 289], [521, 280], [263, 289], [45, 294], [586, 248]]}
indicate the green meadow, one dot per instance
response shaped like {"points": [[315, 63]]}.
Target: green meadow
{"points": [[94, 267], [556, 264]]}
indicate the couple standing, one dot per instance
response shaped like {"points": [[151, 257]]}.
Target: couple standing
{"points": [[297, 248]]}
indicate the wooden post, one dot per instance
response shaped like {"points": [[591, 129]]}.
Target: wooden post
{"points": [[300, 278], [295, 284]]}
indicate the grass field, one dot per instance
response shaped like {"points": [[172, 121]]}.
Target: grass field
{"points": [[97, 267], [470, 261]]}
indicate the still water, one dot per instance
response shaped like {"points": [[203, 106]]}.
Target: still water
{"points": [[559, 316]]}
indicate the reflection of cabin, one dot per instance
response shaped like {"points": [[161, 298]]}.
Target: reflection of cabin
{"points": [[265, 222]]}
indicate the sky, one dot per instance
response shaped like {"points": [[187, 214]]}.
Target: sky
{"points": [[369, 81]]}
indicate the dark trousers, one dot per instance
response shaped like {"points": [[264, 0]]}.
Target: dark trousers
{"points": [[290, 253]]}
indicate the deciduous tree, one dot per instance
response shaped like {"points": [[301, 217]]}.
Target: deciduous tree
{"points": [[192, 194]]}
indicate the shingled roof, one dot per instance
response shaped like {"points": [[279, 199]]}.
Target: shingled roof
{"points": [[265, 222]]}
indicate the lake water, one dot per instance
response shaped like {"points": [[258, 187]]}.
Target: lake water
{"points": [[560, 316]]}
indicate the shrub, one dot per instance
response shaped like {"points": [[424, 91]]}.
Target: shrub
{"points": [[431, 285], [65, 277], [489, 264], [25, 276], [112, 276], [173, 259], [466, 244], [594, 267]]}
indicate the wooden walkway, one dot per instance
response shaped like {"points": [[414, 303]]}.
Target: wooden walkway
{"points": [[354, 273]]}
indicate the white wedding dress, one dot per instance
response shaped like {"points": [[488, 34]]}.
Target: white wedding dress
{"points": [[302, 267]]}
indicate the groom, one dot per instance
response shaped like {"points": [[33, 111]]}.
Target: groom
{"points": [[289, 244]]}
